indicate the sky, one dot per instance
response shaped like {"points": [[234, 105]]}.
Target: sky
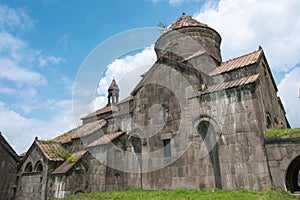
{"points": [[43, 44]]}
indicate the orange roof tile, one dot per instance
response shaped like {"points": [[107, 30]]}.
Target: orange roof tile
{"points": [[81, 131], [106, 139], [238, 62], [101, 111], [53, 151], [231, 84], [68, 164], [185, 21]]}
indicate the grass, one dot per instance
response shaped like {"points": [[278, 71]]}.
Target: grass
{"points": [[280, 132], [182, 194]]}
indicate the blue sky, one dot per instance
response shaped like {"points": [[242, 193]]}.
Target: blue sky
{"points": [[44, 42]]}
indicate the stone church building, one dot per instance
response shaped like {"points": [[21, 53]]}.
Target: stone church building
{"points": [[193, 121]]}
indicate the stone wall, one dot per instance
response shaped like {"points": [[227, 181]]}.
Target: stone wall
{"points": [[185, 42], [283, 155], [8, 170], [97, 170], [237, 113], [274, 114], [38, 180], [76, 180], [31, 186]]}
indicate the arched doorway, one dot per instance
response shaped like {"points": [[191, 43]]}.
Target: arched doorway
{"points": [[136, 143], [292, 175], [210, 139]]}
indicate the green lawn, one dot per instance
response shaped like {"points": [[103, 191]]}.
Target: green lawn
{"points": [[280, 132], [186, 194]]}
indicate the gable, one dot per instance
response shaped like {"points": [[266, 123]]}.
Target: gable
{"points": [[6, 146], [159, 69]]}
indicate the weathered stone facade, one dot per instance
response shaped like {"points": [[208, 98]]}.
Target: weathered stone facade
{"points": [[192, 122], [9, 162], [283, 158]]}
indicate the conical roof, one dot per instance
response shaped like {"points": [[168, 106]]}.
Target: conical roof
{"points": [[113, 85], [185, 21]]}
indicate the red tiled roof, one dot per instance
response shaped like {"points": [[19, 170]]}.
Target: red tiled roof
{"points": [[100, 111], [52, 151], [185, 21], [238, 62], [68, 164], [81, 131], [106, 139], [231, 84]]}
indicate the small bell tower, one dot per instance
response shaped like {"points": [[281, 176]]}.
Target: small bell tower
{"points": [[113, 93]]}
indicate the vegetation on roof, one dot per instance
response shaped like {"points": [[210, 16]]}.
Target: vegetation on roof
{"points": [[72, 159], [281, 132], [46, 141], [186, 194], [65, 155]]}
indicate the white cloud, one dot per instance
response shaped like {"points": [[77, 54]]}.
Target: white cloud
{"points": [[176, 3], [21, 131], [180, 2], [64, 40], [127, 71], [244, 25], [19, 86], [99, 102], [50, 59], [42, 62], [10, 70], [55, 60], [289, 93], [7, 90], [14, 19], [156, 1]]}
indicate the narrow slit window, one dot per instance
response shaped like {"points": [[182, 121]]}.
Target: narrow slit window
{"points": [[167, 148]]}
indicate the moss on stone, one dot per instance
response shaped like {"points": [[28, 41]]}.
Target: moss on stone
{"points": [[281, 132]]}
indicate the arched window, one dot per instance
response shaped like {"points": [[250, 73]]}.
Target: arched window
{"points": [[38, 167], [268, 121], [28, 167]]}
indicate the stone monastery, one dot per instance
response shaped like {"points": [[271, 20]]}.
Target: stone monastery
{"points": [[193, 121]]}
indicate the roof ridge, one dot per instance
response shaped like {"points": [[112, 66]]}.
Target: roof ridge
{"points": [[185, 21], [232, 83], [256, 51]]}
